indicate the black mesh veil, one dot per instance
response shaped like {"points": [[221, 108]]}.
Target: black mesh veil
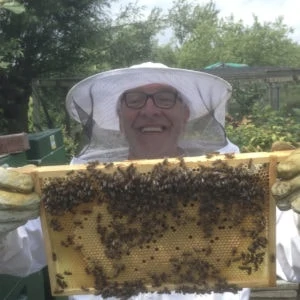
{"points": [[202, 135], [93, 103]]}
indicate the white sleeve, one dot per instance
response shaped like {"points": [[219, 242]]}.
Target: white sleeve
{"points": [[288, 245], [22, 250]]}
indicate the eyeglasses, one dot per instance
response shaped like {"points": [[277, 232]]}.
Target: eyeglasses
{"points": [[137, 100]]}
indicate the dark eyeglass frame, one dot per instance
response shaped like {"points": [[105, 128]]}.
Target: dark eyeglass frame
{"points": [[153, 97]]}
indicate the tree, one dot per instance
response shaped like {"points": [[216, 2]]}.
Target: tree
{"points": [[67, 38], [261, 44], [195, 30], [202, 38], [50, 37], [8, 48], [165, 54], [184, 17], [133, 36]]}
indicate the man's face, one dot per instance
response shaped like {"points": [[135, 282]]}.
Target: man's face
{"points": [[151, 131]]}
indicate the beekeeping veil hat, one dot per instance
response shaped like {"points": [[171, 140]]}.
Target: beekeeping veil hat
{"points": [[93, 102]]}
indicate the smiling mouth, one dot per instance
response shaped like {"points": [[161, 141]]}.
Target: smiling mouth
{"points": [[152, 129]]}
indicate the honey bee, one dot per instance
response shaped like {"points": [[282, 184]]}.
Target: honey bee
{"points": [[228, 263], [118, 268], [92, 164], [85, 289], [108, 165], [211, 154], [99, 216], [67, 273], [78, 247], [63, 243], [181, 162], [229, 155], [61, 283], [77, 222], [272, 258], [208, 250], [165, 162], [233, 251], [54, 256], [86, 211], [156, 280], [250, 164], [60, 276], [246, 268]]}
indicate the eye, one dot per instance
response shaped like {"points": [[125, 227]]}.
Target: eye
{"points": [[134, 99], [165, 99]]}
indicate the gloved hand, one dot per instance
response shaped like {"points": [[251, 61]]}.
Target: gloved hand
{"points": [[286, 190], [18, 201]]}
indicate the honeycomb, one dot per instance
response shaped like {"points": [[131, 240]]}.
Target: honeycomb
{"points": [[121, 229]]}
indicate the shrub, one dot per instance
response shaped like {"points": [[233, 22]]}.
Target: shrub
{"points": [[264, 126]]}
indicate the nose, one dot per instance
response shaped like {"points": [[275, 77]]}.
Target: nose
{"points": [[150, 108]]}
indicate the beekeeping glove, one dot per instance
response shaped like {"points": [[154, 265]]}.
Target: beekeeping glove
{"points": [[18, 201], [286, 190]]}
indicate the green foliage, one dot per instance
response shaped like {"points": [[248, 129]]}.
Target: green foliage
{"points": [[202, 38], [261, 44], [133, 36], [3, 123], [30, 115], [195, 29], [9, 47], [245, 95], [9, 50], [185, 17], [165, 54], [62, 38], [49, 38], [70, 144], [258, 131]]}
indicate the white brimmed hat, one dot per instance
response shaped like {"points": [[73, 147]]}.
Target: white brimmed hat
{"points": [[97, 96]]}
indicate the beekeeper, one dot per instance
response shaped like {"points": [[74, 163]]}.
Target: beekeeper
{"points": [[145, 111]]}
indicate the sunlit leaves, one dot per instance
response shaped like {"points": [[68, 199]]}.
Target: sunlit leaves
{"points": [[13, 6]]}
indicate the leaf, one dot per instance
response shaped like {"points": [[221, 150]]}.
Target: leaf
{"points": [[3, 64], [14, 6]]}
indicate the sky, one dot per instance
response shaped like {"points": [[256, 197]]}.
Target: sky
{"points": [[265, 10]]}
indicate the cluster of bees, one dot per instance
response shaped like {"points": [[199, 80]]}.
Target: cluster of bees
{"points": [[162, 206]]}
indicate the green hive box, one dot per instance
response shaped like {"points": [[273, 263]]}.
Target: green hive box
{"points": [[56, 157], [13, 159], [43, 143]]}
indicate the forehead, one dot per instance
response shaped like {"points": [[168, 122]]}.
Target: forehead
{"points": [[153, 87]]}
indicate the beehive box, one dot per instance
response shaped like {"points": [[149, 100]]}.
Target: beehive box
{"points": [[196, 224], [44, 142]]}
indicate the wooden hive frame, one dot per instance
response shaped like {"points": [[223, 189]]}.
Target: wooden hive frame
{"points": [[70, 266]]}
